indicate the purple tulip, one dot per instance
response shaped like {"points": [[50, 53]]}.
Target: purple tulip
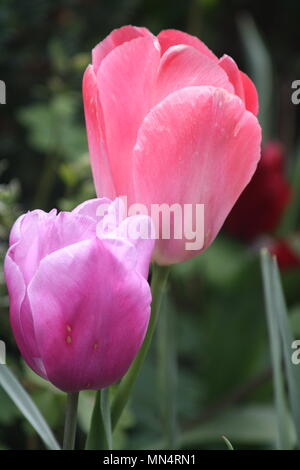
{"points": [[79, 296]]}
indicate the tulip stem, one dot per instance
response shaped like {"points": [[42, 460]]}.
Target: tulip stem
{"points": [[100, 435], [158, 284], [167, 376], [70, 421]]}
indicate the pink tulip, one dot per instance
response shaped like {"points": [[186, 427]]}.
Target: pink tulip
{"points": [[168, 122], [79, 297]]}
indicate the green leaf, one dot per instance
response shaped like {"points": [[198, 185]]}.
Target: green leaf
{"points": [[260, 68], [8, 411], [52, 128], [228, 443], [292, 370], [252, 424], [23, 401], [276, 351], [100, 435], [248, 425]]}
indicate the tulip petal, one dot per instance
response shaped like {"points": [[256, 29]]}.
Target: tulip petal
{"points": [[115, 214], [243, 86], [232, 70], [96, 135], [139, 231], [43, 233], [130, 236], [203, 136], [92, 208], [183, 66], [116, 38], [251, 96], [172, 37], [15, 232], [20, 314], [84, 284], [124, 107]]}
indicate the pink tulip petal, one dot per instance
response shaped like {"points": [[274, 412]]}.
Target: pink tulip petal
{"points": [[26, 253], [243, 86], [116, 213], [124, 107], [44, 233], [171, 37], [183, 66], [130, 236], [20, 313], [232, 70], [251, 96], [139, 231], [199, 145], [95, 337], [96, 136], [93, 208], [116, 38], [15, 232]]}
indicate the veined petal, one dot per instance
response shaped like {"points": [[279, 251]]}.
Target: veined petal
{"points": [[183, 66], [139, 231], [111, 302], [172, 37], [91, 208], [43, 233], [243, 86], [251, 95], [130, 236], [116, 38], [125, 82], [20, 314], [96, 135], [199, 145], [15, 232]]}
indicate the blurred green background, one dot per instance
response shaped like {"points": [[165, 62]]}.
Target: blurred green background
{"points": [[222, 381]]}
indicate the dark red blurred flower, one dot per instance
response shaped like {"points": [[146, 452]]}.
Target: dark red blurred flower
{"points": [[261, 205], [286, 255]]}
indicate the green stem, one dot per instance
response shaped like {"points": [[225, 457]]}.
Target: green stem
{"points": [[158, 283], [100, 435], [70, 421], [167, 374], [105, 412]]}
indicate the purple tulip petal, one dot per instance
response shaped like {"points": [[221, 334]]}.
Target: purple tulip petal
{"points": [[90, 315]]}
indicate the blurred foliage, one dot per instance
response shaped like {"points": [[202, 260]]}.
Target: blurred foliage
{"points": [[215, 300]]}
